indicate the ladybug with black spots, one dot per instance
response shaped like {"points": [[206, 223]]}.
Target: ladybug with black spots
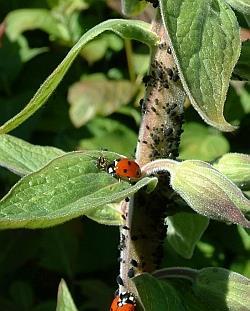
{"points": [[123, 302], [125, 169]]}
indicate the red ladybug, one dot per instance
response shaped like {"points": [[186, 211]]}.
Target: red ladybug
{"points": [[125, 169], [124, 302]]}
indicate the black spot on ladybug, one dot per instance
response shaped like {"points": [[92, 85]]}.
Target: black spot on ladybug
{"points": [[125, 170]]}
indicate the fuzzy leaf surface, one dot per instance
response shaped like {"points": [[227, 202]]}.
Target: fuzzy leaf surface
{"points": [[22, 157], [204, 189], [242, 6], [223, 289], [209, 192], [205, 40], [69, 186], [157, 295]]}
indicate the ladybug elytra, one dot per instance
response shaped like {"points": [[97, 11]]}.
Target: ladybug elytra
{"points": [[123, 302], [125, 169], [122, 168]]}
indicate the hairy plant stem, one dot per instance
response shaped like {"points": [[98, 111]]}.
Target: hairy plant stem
{"points": [[144, 215]]}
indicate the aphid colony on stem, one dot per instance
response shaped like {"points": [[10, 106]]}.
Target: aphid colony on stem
{"points": [[159, 137]]}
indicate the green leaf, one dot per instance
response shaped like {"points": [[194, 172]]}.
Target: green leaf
{"points": [[88, 98], [205, 40], [236, 166], [157, 295], [64, 299], [106, 215], [23, 158], [242, 6], [18, 21], [223, 289], [204, 189], [209, 192], [202, 143], [191, 302], [69, 186], [130, 29], [184, 231], [67, 7], [133, 7]]}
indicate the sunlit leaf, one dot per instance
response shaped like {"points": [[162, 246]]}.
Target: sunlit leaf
{"points": [[69, 186], [240, 5], [88, 98], [223, 289], [205, 40], [22, 157], [21, 20], [204, 189]]}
